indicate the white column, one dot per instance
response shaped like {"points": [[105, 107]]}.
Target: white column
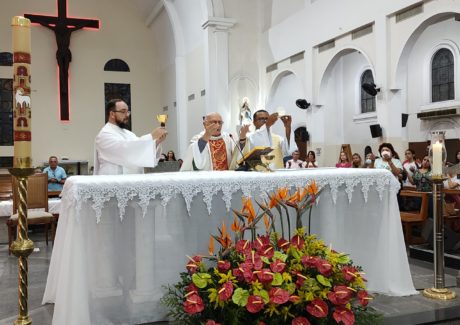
{"points": [[181, 107], [216, 65]]}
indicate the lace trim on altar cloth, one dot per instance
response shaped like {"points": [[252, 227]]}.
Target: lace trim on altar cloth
{"points": [[98, 190]]}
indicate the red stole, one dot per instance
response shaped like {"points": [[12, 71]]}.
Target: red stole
{"points": [[218, 154]]}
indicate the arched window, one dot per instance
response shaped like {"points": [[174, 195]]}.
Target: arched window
{"points": [[6, 59], [442, 76], [116, 65], [367, 100]]}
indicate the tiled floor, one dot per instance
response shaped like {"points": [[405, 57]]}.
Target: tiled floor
{"points": [[397, 310]]}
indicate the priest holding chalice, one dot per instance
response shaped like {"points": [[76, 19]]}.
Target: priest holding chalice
{"points": [[120, 151]]}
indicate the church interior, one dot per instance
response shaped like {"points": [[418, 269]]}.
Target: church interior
{"points": [[352, 74]]}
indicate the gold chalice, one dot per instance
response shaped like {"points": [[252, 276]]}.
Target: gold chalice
{"points": [[162, 118], [266, 161]]}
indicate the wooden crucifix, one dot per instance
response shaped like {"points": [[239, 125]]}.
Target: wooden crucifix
{"points": [[63, 26]]}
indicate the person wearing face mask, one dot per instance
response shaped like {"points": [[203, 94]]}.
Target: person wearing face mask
{"points": [[389, 160]]}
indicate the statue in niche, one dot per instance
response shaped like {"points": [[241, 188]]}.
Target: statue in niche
{"points": [[245, 112]]}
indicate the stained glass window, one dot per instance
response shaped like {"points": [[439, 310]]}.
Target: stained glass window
{"points": [[442, 76], [367, 100]]}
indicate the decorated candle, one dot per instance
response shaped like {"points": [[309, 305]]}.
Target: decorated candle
{"points": [[21, 93], [437, 159]]}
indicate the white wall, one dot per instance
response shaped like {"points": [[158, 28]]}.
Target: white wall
{"points": [[122, 35]]}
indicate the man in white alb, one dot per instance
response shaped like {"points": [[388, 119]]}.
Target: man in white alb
{"points": [[120, 151], [211, 149], [263, 137]]}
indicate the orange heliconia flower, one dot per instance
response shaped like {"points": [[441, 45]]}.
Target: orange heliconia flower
{"points": [[273, 202], [282, 193], [235, 225], [224, 238], [266, 222], [311, 188], [249, 208], [211, 246]]}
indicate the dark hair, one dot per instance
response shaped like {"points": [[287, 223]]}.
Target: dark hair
{"points": [[311, 152], [173, 155], [411, 150], [259, 111], [52, 157], [389, 146], [110, 107], [367, 150]]}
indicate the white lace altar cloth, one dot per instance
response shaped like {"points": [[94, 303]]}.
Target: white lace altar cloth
{"points": [[121, 238]]}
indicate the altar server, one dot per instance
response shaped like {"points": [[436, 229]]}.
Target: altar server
{"points": [[212, 149], [120, 151], [262, 136]]}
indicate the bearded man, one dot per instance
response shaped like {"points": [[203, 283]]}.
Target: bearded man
{"points": [[120, 151]]}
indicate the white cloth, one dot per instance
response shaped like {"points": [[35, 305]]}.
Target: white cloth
{"points": [[357, 213], [120, 151], [453, 180], [203, 159], [407, 167], [6, 207], [263, 137]]}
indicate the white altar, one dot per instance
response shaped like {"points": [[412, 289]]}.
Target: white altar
{"points": [[121, 238]]}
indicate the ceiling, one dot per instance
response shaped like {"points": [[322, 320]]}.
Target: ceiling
{"points": [[145, 7]]}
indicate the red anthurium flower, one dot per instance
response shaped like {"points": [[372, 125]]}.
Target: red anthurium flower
{"points": [[283, 244], [255, 304], [260, 242], [300, 279], [324, 267], [297, 241], [363, 297], [243, 246], [193, 304], [299, 321], [254, 260], [294, 298], [278, 296], [211, 322], [193, 264], [265, 276], [318, 308], [341, 295], [267, 250], [261, 323], [310, 261], [277, 266], [191, 288], [344, 315], [349, 273], [223, 266], [226, 291]]}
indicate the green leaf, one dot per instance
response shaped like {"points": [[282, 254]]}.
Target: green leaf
{"points": [[263, 294], [343, 259], [290, 287], [240, 297], [201, 279], [277, 279], [265, 259], [280, 256], [324, 281]]}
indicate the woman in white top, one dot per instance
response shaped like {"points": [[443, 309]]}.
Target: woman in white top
{"points": [[410, 166]]}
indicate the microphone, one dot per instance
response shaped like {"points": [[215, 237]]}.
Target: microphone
{"points": [[244, 167]]}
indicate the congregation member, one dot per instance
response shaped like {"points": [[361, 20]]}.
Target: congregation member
{"points": [[56, 175], [211, 149], [388, 160], [311, 160], [263, 136], [344, 161], [410, 166], [295, 162], [356, 161], [120, 151], [170, 156]]}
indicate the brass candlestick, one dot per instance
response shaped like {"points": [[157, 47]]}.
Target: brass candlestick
{"points": [[22, 247], [162, 118], [439, 291]]}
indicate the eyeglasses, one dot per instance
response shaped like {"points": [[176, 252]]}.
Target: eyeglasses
{"points": [[217, 122], [123, 112]]}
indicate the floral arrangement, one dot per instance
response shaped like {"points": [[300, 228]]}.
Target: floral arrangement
{"points": [[269, 279]]}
